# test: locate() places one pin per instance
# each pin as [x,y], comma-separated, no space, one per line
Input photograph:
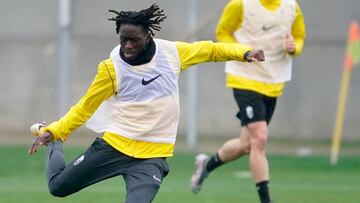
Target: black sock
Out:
[263,190]
[213,163]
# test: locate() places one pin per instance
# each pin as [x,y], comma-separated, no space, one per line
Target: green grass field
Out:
[294,180]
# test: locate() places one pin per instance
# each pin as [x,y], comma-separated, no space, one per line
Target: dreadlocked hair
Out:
[149,18]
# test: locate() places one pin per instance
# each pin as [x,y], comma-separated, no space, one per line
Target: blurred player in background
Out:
[134,102]
[277,27]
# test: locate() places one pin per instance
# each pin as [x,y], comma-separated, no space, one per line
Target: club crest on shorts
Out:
[79,160]
[250,112]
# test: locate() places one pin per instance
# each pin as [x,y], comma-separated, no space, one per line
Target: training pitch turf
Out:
[294,179]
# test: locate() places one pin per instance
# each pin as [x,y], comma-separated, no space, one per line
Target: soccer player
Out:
[277,26]
[134,102]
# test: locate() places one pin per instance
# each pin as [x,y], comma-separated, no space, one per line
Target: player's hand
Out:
[290,44]
[41,140]
[255,55]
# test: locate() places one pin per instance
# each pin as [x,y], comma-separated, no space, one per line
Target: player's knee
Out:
[245,149]
[57,193]
[259,140]
[58,190]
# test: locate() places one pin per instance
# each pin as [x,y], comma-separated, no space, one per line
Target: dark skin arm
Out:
[43,139]
[254,55]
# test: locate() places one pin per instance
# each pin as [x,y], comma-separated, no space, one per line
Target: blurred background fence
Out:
[29,63]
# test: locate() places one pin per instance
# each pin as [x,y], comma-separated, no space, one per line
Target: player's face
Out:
[133,39]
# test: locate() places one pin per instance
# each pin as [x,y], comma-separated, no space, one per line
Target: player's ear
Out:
[148,37]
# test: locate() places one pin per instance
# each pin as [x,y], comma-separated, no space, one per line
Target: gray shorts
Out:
[143,177]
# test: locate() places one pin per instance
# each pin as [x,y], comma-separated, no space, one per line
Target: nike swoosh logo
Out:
[265,28]
[156,178]
[146,82]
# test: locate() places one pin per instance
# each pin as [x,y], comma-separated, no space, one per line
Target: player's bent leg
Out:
[231,150]
[55,162]
[235,148]
[98,163]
